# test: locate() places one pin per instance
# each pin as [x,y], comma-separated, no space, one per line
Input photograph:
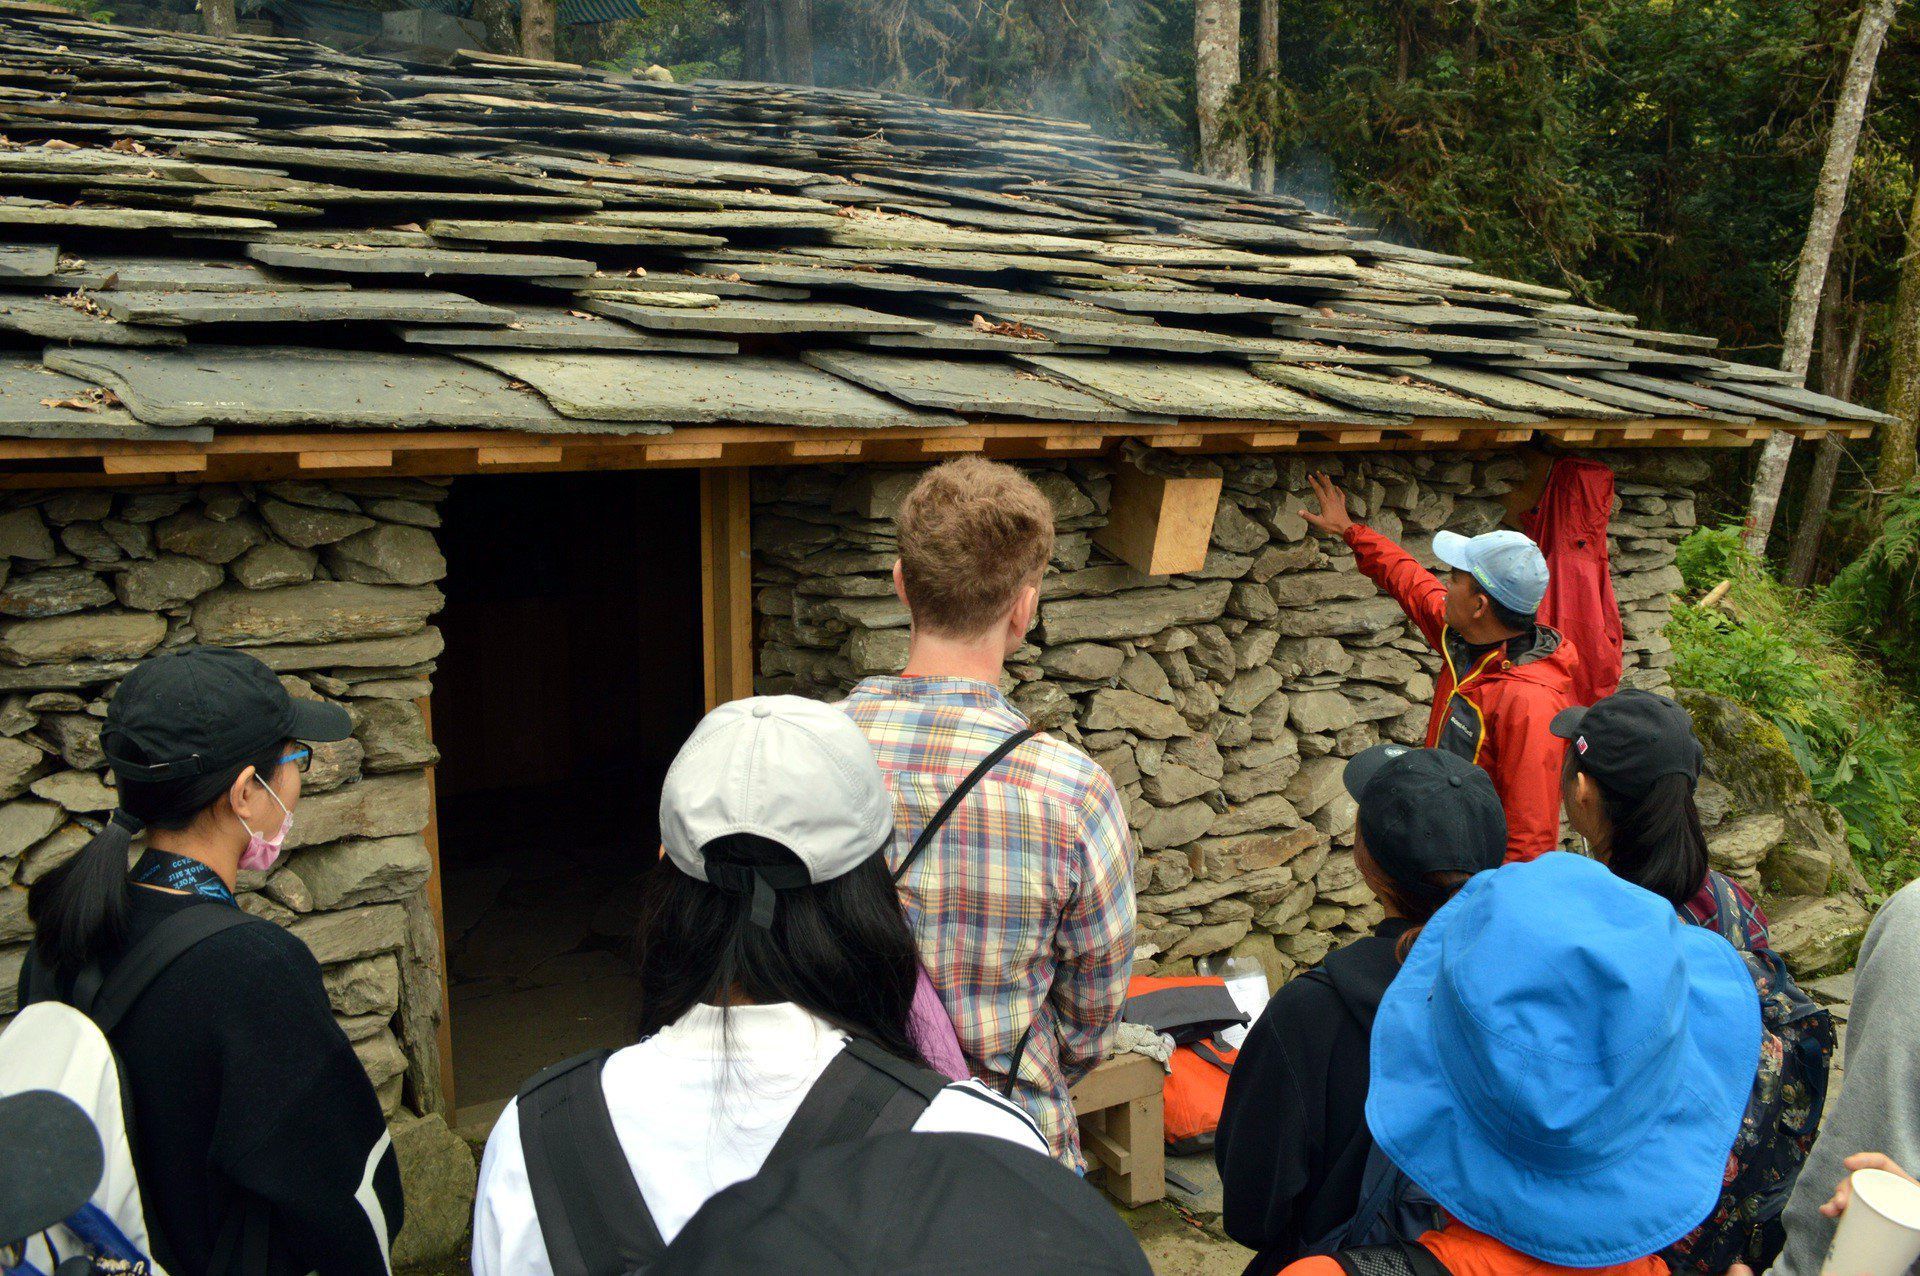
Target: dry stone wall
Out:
[333,586]
[1223,702]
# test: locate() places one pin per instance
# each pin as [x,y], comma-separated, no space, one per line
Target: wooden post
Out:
[443,1034]
[726,583]
[1159,524]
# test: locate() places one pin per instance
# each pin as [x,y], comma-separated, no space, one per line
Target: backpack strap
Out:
[1729,918]
[1204,1048]
[107,1000]
[592,1216]
[1406,1258]
[864,1091]
[974,777]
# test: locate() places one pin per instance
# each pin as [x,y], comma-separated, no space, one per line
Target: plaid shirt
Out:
[1023,905]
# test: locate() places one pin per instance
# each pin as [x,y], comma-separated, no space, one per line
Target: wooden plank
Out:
[950,445]
[521,454]
[153,463]
[1115,1081]
[726,583]
[344,459]
[1159,524]
[683,451]
[818,449]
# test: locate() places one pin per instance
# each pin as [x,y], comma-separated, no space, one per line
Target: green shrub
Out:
[1711,555]
[1878,594]
[1788,657]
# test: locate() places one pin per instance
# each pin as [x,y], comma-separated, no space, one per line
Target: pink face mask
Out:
[261,852]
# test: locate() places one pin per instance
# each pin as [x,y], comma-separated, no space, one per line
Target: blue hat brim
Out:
[1641,1202]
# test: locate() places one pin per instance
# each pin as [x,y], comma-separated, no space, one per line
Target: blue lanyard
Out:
[178,873]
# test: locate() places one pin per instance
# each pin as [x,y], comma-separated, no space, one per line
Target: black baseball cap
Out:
[1426,811]
[199,710]
[1631,739]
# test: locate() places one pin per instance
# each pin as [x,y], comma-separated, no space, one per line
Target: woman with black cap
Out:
[1632,766]
[258,1143]
[1293,1144]
[776,978]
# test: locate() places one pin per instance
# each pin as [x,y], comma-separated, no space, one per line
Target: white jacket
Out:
[697,1114]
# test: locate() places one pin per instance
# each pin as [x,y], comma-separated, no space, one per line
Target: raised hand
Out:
[1332,518]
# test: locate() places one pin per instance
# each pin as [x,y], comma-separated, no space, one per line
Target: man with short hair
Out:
[1022,904]
[1503,674]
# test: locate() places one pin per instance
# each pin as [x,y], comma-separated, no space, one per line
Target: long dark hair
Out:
[840,949]
[80,909]
[1658,842]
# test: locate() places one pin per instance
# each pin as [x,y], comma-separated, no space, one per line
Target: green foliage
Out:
[1878,594]
[1854,731]
[1712,555]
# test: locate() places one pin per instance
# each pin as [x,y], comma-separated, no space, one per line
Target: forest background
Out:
[1659,157]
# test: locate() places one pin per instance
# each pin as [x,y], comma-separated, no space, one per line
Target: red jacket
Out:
[1570,523]
[1495,713]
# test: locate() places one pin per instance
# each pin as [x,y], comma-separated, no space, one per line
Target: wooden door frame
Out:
[726,622]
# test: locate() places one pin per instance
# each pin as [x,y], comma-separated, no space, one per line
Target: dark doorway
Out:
[571,675]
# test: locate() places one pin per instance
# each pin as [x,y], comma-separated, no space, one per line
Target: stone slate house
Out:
[527,410]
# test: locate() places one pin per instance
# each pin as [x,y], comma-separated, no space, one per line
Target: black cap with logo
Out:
[1426,811]
[199,710]
[1631,739]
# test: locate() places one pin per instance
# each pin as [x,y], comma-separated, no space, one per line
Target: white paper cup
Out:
[1879,1235]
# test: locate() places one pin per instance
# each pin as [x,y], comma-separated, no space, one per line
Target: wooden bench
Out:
[1123,1127]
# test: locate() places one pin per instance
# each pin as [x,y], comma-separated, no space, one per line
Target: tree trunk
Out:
[538,21]
[1829,202]
[1266,64]
[1897,459]
[795,22]
[1216,73]
[1837,371]
[220,17]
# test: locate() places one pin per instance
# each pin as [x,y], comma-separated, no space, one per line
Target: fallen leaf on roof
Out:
[94,400]
[1008,329]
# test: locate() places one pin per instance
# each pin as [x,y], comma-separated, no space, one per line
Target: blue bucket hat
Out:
[1563,1064]
[1508,565]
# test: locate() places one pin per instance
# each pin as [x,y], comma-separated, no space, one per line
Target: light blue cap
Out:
[1508,565]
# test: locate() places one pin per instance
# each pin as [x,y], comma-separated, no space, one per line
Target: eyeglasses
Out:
[301,755]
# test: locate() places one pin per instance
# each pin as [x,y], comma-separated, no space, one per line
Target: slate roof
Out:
[237,235]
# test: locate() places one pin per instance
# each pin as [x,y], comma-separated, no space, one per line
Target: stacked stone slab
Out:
[333,586]
[1224,702]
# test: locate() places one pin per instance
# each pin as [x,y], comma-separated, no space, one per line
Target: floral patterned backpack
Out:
[1782,1117]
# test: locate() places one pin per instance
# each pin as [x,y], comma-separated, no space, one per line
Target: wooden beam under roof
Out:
[226,458]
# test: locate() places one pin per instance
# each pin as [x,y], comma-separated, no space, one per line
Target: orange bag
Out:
[1192,1009]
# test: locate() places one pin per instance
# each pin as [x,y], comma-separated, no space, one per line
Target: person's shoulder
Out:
[254,948]
[967,1107]
[1314,1265]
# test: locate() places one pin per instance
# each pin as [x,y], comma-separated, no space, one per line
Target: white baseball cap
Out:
[781,769]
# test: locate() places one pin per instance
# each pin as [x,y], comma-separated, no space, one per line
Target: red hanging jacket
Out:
[1570,525]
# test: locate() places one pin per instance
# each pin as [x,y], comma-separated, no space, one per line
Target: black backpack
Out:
[1391,1208]
[592,1215]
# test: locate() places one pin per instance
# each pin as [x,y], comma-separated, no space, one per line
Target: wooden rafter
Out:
[26,463]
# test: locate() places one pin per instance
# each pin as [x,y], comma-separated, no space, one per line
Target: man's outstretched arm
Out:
[1419,593]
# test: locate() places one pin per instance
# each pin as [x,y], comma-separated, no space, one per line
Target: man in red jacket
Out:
[1503,675]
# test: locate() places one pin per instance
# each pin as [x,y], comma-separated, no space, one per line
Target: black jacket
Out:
[1293,1139]
[243,1085]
